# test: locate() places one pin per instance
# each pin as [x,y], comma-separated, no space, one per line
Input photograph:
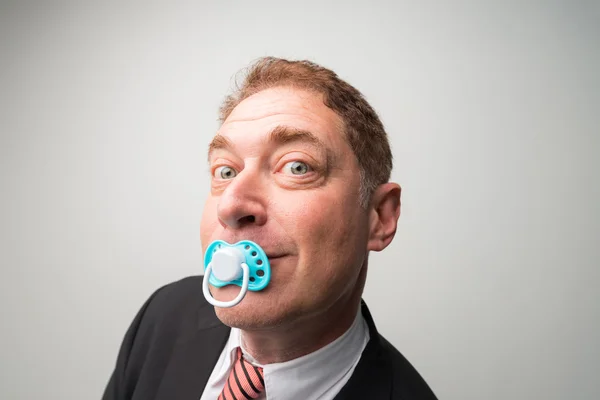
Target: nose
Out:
[242,203]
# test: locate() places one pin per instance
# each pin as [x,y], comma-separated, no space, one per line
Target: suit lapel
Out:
[372,376]
[193,360]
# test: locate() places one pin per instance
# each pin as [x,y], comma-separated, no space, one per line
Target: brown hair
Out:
[364,131]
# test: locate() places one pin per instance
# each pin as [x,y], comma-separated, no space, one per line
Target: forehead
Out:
[264,111]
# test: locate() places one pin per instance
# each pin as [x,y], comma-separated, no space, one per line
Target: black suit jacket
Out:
[174,342]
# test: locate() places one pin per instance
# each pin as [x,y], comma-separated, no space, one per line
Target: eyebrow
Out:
[280,135]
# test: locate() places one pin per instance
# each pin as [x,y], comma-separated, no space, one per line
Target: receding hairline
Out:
[296,88]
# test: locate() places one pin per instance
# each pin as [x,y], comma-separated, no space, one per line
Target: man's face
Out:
[284,177]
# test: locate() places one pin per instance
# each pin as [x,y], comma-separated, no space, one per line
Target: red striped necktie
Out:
[245,380]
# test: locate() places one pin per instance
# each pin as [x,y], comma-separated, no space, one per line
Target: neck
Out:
[307,335]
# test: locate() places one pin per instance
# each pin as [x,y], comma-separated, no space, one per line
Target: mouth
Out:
[273,251]
[279,258]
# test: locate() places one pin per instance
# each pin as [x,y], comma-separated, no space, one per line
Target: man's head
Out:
[300,166]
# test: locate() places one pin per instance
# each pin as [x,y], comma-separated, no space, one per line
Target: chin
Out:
[247,319]
[255,312]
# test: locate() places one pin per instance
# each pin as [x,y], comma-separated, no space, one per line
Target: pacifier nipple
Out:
[227,264]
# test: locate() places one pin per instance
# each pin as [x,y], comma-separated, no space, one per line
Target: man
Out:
[300,166]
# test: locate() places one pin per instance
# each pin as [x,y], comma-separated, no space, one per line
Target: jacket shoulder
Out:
[179,306]
[171,315]
[407,383]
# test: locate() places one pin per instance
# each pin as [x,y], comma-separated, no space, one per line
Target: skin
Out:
[284,176]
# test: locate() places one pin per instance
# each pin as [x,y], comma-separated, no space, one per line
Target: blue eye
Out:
[296,168]
[225,172]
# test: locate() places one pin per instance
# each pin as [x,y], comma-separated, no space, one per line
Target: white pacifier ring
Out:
[226,271]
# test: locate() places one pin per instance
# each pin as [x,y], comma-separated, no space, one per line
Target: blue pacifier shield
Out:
[256,259]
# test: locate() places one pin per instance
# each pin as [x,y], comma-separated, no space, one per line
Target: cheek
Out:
[326,228]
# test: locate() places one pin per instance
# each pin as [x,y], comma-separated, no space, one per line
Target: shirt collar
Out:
[316,372]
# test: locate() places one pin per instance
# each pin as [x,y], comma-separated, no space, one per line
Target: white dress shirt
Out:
[316,376]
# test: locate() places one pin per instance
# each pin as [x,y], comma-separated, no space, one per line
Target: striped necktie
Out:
[245,381]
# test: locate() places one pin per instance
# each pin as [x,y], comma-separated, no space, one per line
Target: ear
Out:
[384,211]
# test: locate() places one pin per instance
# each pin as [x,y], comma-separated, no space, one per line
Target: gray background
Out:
[491,287]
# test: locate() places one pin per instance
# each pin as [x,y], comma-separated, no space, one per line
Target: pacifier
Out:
[244,264]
